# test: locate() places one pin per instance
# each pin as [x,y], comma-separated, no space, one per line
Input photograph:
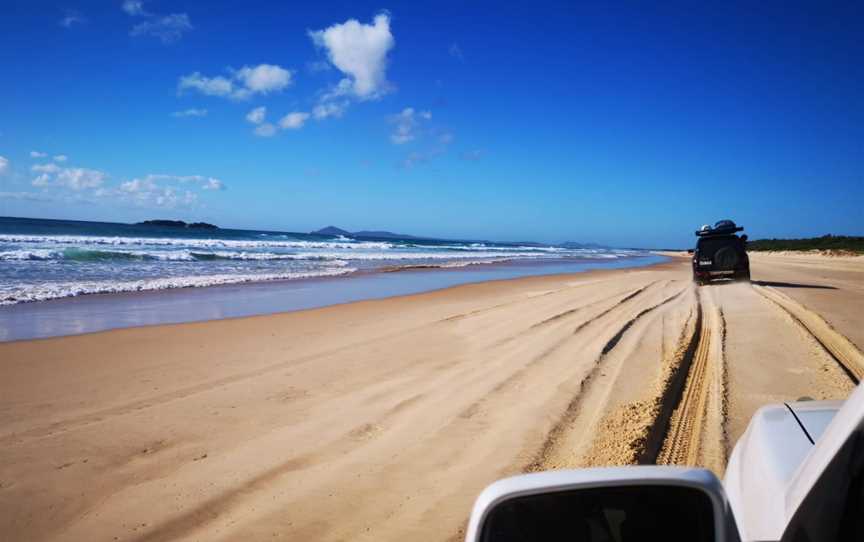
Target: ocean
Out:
[49,259]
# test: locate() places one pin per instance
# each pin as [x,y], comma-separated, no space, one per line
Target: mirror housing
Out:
[558,495]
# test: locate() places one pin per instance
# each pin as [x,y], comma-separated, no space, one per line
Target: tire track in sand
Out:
[556,438]
[841,349]
[698,414]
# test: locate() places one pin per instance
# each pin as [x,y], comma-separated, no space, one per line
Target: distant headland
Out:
[333,231]
[178,224]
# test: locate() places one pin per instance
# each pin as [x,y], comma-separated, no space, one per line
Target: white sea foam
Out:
[22,293]
[86,240]
[39,267]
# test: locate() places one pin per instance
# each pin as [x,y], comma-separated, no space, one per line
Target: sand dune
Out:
[382,420]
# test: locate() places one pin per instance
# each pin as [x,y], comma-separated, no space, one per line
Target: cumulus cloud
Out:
[77,184]
[406,124]
[263,78]
[213,184]
[211,86]
[60,158]
[190,113]
[45,168]
[242,83]
[257,115]
[329,109]
[146,192]
[294,120]
[73,178]
[72,18]
[160,190]
[4,165]
[265,130]
[360,52]
[37,154]
[167,29]
[135,8]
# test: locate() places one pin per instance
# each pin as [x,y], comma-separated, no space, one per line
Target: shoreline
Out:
[90,313]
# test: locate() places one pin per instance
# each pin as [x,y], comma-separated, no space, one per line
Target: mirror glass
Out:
[603,514]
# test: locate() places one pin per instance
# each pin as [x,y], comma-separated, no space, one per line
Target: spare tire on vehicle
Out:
[726,258]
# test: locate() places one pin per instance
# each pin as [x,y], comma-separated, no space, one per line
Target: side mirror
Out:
[744,238]
[620,504]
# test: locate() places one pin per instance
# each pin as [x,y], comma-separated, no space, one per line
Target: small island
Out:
[178,224]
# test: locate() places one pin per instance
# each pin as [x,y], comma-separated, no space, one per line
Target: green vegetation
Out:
[835,243]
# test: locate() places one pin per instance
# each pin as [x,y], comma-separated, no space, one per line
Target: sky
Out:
[629,124]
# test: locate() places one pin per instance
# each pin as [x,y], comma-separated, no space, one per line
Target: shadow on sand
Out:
[792,285]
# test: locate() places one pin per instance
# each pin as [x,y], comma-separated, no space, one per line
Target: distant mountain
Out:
[178,224]
[381,234]
[385,235]
[331,230]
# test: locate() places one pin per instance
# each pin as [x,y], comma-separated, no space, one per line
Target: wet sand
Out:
[383,419]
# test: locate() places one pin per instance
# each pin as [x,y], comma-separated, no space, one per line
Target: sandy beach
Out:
[383,419]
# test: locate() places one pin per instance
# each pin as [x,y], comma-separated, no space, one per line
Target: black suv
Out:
[720,254]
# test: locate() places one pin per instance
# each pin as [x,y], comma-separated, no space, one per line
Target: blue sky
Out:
[630,124]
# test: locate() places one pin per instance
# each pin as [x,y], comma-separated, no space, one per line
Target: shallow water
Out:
[50,259]
[99,312]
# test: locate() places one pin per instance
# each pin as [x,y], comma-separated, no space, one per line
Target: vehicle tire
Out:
[726,258]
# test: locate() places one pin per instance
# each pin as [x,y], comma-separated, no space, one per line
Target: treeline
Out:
[826,242]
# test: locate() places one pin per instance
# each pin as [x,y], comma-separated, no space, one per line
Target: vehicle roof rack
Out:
[721,227]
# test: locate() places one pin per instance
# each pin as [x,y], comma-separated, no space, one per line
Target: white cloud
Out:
[360,52]
[329,109]
[257,115]
[190,113]
[90,185]
[45,168]
[294,120]
[72,18]
[264,78]
[60,158]
[265,130]
[80,178]
[73,178]
[160,190]
[168,29]
[211,86]
[134,8]
[4,165]
[243,83]
[42,180]
[406,124]
[37,154]
[213,184]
